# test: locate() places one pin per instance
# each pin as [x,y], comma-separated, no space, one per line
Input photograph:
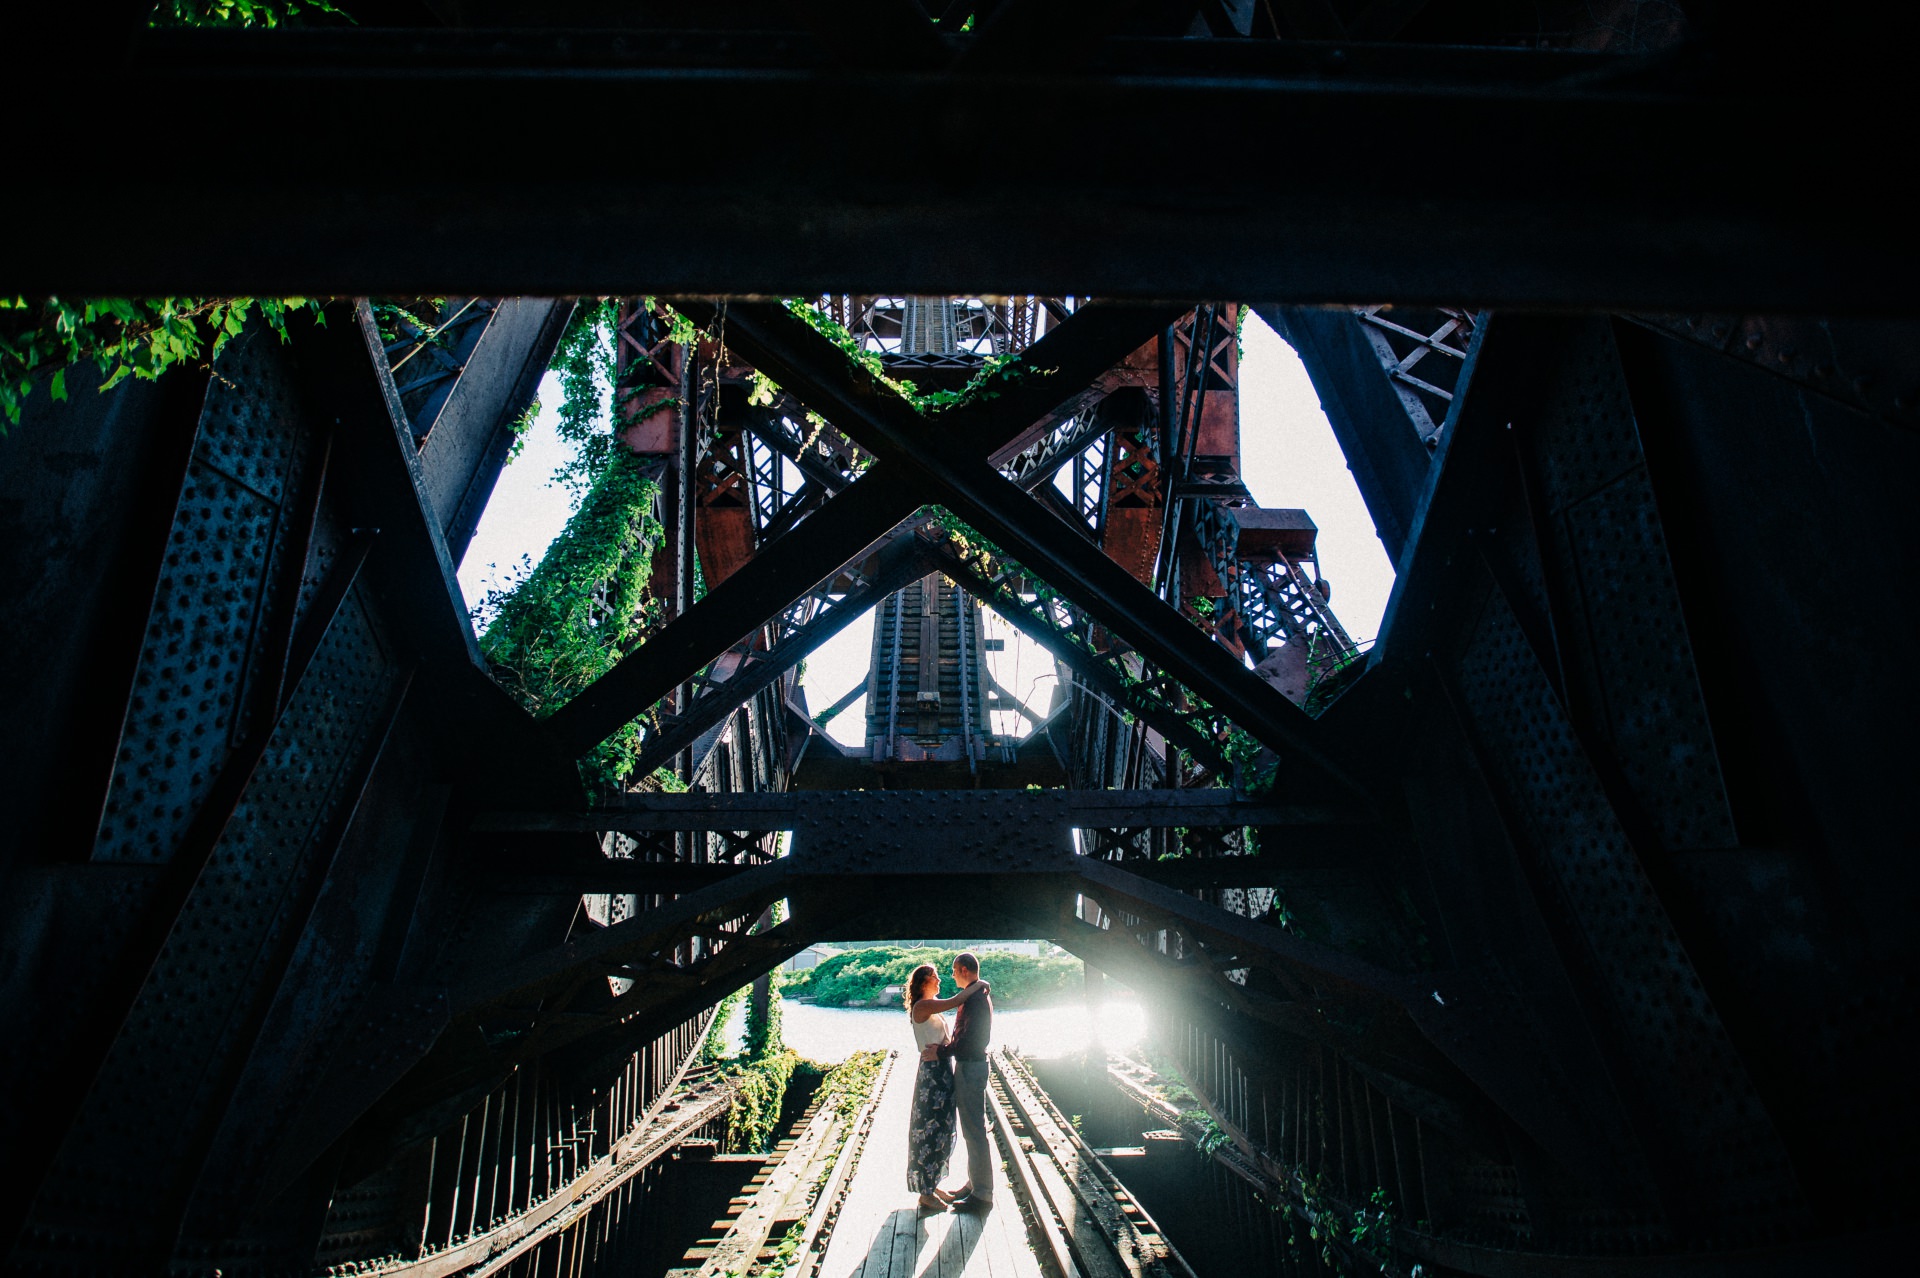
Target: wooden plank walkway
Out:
[880,1232]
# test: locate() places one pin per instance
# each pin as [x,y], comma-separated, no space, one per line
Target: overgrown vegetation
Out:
[570,620]
[586,365]
[843,1089]
[1335,679]
[242,13]
[860,978]
[121,337]
[762,1071]
[760,1090]
[1359,1241]
[763,1023]
[996,371]
[848,1084]
[713,1048]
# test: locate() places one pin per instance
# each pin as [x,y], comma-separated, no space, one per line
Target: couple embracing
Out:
[951,1084]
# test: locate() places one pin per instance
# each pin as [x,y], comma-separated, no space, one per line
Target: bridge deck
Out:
[880,1234]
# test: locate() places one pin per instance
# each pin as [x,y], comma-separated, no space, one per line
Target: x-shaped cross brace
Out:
[947,460]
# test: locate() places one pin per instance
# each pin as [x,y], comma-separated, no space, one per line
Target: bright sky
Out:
[1288,458]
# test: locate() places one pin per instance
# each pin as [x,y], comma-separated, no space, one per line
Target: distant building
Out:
[810,958]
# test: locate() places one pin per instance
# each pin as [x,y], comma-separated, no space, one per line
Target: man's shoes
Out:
[973,1204]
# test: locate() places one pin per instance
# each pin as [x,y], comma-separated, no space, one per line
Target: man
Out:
[973,1031]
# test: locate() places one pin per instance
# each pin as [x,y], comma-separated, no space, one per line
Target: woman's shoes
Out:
[945,1198]
[932,1202]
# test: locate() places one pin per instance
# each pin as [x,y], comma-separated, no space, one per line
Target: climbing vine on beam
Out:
[121,337]
[573,617]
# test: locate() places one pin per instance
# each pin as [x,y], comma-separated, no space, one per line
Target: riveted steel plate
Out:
[934,832]
[193,686]
[162,1078]
[1669,1032]
[1638,658]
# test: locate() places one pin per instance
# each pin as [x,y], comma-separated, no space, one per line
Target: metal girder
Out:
[1667,205]
[1120,891]
[1391,463]
[1018,399]
[715,699]
[1316,849]
[841,532]
[424,568]
[560,998]
[1057,626]
[530,980]
[945,471]
[1420,1036]
[665,996]
[1054,370]
[795,809]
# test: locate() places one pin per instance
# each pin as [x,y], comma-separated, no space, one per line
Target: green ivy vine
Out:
[122,337]
[240,13]
[570,620]
[760,1090]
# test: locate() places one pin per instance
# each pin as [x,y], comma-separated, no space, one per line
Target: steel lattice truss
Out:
[1578,926]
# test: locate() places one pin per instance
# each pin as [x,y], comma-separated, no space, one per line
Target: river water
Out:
[831,1034]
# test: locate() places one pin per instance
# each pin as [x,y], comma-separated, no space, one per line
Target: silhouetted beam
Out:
[838,533]
[1097,673]
[1337,849]
[876,33]
[1069,809]
[1390,465]
[900,563]
[662,997]
[945,470]
[1665,203]
[1054,369]
[559,971]
[1118,890]
[1049,373]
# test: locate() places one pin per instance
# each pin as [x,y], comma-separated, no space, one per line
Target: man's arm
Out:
[966,1025]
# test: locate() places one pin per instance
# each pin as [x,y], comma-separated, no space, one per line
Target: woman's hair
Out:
[922,976]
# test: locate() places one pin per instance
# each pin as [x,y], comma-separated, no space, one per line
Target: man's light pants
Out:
[970,1092]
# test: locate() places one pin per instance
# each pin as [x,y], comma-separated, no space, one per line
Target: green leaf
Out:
[58,387]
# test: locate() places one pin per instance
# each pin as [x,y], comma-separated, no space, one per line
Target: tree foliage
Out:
[760,1091]
[121,337]
[571,619]
[860,978]
[241,13]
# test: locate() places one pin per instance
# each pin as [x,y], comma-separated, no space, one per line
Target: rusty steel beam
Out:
[841,532]
[945,471]
[1052,371]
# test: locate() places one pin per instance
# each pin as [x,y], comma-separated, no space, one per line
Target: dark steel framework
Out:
[1578,925]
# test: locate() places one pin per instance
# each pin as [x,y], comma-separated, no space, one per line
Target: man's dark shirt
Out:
[972,1028]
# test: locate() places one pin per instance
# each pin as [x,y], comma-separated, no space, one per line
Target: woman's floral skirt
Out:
[930,1131]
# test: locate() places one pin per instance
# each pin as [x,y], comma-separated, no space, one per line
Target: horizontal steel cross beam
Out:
[1671,199]
[829,809]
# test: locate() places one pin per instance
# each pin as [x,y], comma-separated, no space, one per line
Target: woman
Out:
[930,1130]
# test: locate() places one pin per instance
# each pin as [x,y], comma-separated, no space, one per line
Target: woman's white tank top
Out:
[930,1031]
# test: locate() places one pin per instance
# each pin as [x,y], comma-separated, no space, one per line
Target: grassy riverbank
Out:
[860,978]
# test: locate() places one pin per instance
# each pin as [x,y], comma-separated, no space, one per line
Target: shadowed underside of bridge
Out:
[1575,915]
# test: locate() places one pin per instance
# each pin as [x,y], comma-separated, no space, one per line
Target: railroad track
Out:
[1086,1222]
[802,1186]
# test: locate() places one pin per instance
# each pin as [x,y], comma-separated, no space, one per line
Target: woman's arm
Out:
[928,1006]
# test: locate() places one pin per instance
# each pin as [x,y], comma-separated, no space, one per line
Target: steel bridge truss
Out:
[1574,936]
